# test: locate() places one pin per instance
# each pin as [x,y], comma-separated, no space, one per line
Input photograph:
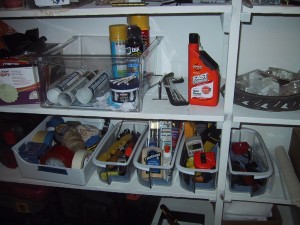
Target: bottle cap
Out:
[194,38]
[118,32]
[84,95]
[52,95]
[142,21]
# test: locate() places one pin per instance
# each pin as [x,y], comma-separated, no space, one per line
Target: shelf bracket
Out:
[225,21]
[246,17]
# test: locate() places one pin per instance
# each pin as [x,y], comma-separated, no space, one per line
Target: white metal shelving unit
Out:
[226,113]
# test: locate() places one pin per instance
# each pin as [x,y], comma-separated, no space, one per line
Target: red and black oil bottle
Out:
[203,75]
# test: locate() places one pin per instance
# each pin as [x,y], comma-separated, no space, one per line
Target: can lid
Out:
[84,95]
[52,95]
[141,21]
[118,32]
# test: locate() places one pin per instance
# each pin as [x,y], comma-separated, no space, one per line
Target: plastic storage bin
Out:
[155,175]
[114,155]
[92,54]
[192,179]
[30,168]
[250,166]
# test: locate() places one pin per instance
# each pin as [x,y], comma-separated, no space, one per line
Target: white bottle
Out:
[167,158]
[99,84]
[62,84]
[67,97]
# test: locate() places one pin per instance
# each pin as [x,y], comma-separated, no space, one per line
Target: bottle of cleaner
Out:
[203,75]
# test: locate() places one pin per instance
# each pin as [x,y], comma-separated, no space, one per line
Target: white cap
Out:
[65,99]
[52,95]
[84,95]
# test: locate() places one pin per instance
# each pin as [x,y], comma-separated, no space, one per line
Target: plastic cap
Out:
[84,95]
[141,21]
[118,32]
[194,38]
[52,95]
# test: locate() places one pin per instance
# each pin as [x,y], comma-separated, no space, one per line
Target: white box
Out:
[51,173]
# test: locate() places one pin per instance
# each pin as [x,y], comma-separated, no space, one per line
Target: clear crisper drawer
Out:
[250,166]
[193,179]
[158,172]
[85,63]
[114,156]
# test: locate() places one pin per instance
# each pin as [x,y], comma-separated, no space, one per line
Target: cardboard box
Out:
[275,219]
[294,152]
[18,85]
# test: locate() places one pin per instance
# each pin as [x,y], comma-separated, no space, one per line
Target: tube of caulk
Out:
[100,83]
[62,84]
[67,97]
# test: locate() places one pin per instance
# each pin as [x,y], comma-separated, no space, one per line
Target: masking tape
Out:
[39,136]
[80,159]
[58,156]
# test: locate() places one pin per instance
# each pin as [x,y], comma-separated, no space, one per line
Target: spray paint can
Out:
[134,48]
[118,37]
[142,21]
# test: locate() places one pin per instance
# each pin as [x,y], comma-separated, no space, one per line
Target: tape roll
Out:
[58,156]
[39,136]
[80,159]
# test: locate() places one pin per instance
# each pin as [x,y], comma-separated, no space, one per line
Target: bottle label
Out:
[68,81]
[153,158]
[133,64]
[119,67]
[203,90]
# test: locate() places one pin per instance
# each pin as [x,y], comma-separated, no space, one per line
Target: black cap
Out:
[194,38]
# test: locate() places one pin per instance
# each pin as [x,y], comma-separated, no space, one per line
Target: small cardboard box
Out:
[294,152]
[18,85]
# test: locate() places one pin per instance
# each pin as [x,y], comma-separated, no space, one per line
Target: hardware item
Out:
[68,97]
[95,87]
[194,144]
[63,84]
[204,160]
[159,92]
[174,95]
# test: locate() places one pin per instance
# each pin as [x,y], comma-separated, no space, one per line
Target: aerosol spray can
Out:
[142,21]
[118,37]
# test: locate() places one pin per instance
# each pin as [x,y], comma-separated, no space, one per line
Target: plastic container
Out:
[203,75]
[53,173]
[192,179]
[252,171]
[93,53]
[122,169]
[148,174]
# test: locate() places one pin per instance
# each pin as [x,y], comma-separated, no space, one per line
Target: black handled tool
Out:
[174,95]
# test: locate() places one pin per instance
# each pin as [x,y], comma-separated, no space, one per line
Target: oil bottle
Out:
[203,75]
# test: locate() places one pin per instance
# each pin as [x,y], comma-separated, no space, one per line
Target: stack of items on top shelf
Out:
[105,73]
[198,159]
[59,149]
